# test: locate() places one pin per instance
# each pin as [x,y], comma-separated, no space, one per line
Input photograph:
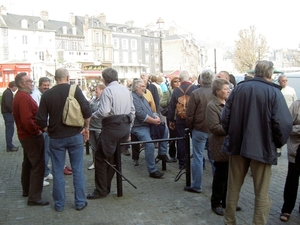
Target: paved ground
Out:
[161,201]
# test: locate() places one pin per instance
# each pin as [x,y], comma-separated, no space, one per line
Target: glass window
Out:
[40,25]
[41,56]
[147,45]
[24,39]
[24,24]
[116,43]
[133,44]
[116,57]
[125,57]
[124,43]
[40,40]
[74,30]
[65,30]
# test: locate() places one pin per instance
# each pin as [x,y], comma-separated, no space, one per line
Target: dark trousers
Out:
[172,144]
[135,148]
[219,186]
[180,128]
[9,129]
[291,185]
[33,167]
[115,129]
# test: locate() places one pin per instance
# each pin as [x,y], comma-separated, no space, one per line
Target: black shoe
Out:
[189,189]
[164,158]
[25,195]
[156,174]
[278,154]
[95,196]
[218,210]
[82,207]
[38,203]
[238,208]
[14,149]
[136,162]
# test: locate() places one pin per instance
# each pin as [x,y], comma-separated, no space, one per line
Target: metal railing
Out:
[186,169]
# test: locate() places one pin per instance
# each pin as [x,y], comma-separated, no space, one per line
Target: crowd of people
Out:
[241,126]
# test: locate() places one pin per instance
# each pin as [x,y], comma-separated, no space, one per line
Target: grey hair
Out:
[281,76]
[43,80]
[136,83]
[217,85]
[184,75]
[264,69]
[207,76]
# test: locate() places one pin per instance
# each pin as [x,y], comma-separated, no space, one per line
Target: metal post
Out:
[215,58]
[188,157]
[161,52]
[119,168]
[87,147]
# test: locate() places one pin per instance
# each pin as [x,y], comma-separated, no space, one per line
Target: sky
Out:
[210,21]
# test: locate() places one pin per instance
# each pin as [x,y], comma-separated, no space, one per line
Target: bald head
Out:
[223,75]
[61,75]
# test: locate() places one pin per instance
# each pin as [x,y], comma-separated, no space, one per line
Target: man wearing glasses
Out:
[31,138]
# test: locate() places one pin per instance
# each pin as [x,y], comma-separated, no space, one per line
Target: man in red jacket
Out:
[31,138]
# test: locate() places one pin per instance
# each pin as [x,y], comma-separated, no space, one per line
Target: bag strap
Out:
[181,90]
[184,92]
[187,89]
[72,90]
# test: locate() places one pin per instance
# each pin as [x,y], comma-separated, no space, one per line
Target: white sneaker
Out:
[91,167]
[46,183]
[49,177]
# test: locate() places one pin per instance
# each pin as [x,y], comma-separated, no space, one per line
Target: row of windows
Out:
[40,25]
[133,44]
[134,57]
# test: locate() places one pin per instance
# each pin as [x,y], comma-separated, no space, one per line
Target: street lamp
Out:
[160,24]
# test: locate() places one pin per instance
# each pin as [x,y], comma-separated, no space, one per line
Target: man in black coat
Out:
[257,120]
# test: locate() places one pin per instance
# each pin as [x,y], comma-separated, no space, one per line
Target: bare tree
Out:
[249,49]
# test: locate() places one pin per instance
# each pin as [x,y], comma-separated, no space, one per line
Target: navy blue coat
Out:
[257,120]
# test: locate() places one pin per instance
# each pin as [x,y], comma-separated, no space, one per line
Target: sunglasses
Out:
[176,81]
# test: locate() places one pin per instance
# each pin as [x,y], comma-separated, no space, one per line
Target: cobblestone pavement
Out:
[155,201]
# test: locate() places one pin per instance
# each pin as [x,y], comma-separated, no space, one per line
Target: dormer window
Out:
[124,29]
[114,28]
[64,30]
[24,23]
[133,31]
[40,25]
[74,30]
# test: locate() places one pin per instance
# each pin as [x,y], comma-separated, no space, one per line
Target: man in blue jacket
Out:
[257,121]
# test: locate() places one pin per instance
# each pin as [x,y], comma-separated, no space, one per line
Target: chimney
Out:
[102,18]
[3,10]
[172,30]
[44,15]
[72,19]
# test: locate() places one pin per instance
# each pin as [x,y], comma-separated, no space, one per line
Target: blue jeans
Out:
[47,153]
[198,141]
[9,129]
[58,147]
[143,134]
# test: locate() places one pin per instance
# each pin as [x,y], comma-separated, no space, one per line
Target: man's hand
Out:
[172,125]
[86,134]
